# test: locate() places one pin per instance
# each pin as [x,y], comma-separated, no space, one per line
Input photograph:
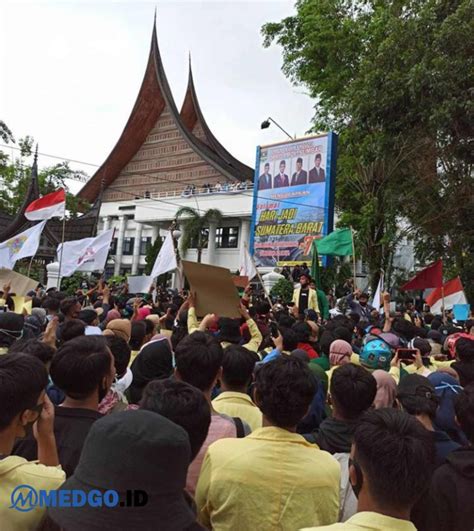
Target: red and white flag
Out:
[453,294]
[47,207]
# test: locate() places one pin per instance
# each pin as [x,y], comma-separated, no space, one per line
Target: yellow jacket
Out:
[238,405]
[271,479]
[312,299]
[255,335]
[368,520]
[15,471]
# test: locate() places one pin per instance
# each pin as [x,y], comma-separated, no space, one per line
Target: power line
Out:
[161,178]
[53,156]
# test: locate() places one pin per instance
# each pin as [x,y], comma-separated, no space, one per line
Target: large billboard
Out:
[293,199]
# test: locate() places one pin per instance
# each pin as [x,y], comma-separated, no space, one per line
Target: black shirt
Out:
[303,302]
[71,426]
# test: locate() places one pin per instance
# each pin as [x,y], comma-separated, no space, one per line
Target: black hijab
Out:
[154,362]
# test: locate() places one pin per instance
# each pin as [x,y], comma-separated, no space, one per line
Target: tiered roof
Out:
[153,102]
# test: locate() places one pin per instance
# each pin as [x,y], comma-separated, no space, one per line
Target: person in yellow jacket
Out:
[194,325]
[305,298]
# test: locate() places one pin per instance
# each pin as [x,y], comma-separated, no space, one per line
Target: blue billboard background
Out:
[293,199]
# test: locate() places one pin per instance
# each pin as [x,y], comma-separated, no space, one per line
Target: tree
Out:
[151,254]
[195,227]
[150,257]
[390,76]
[284,289]
[15,176]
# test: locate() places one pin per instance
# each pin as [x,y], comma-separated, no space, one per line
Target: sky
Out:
[70,72]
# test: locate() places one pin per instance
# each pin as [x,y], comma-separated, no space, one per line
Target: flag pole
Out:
[267,296]
[354,258]
[62,252]
[442,304]
[29,267]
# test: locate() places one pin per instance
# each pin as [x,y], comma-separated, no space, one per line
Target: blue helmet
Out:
[376,354]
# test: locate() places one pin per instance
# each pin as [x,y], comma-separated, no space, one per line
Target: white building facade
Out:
[138,223]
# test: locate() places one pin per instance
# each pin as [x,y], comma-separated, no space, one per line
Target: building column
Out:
[106,223]
[211,244]
[244,239]
[155,232]
[120,236]
[136,248]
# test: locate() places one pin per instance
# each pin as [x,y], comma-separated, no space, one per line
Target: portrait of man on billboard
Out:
[300,176]
[317,175]
[265,180]
[281,180]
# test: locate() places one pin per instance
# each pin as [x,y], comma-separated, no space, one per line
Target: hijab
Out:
[447,388]
[153,362]
[143,313]
[386,389]
[111,315]
[340,352]
[119,327]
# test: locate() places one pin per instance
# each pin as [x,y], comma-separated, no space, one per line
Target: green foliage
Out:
[71,284]
[5,134]
[117,279]
[15,176]
[335,276]
[195,227]
[151,254]
[284,289]
[394,79]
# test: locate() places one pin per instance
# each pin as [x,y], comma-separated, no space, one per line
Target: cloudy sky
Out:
[70,71]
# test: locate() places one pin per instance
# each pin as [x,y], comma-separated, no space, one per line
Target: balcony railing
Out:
[226,188]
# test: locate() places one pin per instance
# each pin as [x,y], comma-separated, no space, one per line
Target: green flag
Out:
[338,243]
[315,273]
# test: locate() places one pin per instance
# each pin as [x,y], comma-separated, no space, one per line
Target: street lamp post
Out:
[266,124]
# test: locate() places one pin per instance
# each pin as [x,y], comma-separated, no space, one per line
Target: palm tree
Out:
[194,227]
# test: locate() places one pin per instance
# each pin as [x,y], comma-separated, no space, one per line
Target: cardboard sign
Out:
[20,284]
[22,306]
[139,284]
[461,311]
[214,288]
[240,282]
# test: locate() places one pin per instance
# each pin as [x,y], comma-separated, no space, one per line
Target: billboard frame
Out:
[329,200]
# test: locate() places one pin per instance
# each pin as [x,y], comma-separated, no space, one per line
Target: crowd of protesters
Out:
[290,417]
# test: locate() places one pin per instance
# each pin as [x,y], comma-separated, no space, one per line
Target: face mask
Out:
[359,477]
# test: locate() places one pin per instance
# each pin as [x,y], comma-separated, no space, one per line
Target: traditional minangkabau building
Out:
[77,228]
[165,159]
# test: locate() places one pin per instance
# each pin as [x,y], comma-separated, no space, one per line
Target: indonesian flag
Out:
[47,207]
[430,277]
[453,294]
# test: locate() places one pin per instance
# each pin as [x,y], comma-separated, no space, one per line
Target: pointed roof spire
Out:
[35,160]
[34,186]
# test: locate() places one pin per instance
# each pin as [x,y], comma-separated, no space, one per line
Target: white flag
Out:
[166,259]
[20,246]
[247,266]
[88,254]
[378,294]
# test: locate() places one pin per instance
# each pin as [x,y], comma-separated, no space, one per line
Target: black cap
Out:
[415,385]
[137,450]
[88,316]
